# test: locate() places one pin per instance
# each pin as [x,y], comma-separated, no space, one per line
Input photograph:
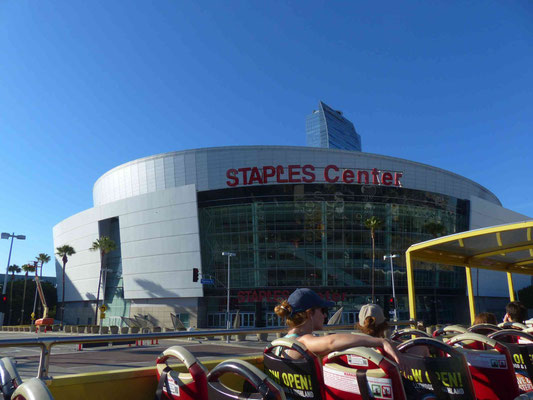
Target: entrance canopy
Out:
[507,248]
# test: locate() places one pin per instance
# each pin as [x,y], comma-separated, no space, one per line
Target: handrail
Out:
[46,343]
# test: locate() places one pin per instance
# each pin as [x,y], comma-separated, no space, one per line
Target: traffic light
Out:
[195,274]
[3,303]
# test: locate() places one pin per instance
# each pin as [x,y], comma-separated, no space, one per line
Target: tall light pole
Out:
[228,320]
[6,235]
[390,257]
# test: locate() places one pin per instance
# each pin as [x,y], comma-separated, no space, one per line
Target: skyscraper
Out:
[328,128]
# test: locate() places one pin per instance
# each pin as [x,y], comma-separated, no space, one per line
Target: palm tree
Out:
[373,223]
[13,269]
[104,245]
[64,252]
[26,268]
[42,258]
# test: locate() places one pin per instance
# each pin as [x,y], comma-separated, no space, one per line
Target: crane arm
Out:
[41,296]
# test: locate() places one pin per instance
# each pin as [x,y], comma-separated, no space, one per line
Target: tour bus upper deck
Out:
[507,248]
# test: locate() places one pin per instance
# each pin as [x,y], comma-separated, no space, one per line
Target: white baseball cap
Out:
[371,310]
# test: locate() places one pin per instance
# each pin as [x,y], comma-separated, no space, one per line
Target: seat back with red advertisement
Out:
[444,375]
[301,378]
[449,331]
[173,385]
[361,373]
[492,369]
[402,335]
[520,346]
[256,385]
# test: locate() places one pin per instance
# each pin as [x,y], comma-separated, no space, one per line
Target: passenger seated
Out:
[485,318]
[304,312]
[372,321]
[515,311]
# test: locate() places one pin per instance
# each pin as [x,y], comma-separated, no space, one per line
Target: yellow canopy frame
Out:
[507,248]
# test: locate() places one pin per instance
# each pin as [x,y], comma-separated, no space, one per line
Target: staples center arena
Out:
[292,216]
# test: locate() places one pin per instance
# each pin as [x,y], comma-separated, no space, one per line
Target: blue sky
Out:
[88,85]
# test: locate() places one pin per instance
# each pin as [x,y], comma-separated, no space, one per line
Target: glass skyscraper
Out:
[328,128]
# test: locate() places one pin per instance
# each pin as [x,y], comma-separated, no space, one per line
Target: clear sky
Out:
[88,85]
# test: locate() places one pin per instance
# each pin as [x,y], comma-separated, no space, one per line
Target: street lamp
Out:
[6,235]
[390,257]
[228,321]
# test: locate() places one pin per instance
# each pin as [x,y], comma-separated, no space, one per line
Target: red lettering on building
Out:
[296,173]
[244,175]
[268,172]
[279,173]
[327,177]
[386,178]
[309,174]
[348,176]
[375,176]
[397,176]
[362,174]
[255,176]
[233,180]
[258,296]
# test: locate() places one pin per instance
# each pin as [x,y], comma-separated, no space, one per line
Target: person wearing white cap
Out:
[304,312]
[372,320]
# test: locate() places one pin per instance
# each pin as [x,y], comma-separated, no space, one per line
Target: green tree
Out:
[13,269]
[103,245]
[42,258]
[373,223]
[64,252]
[27,268]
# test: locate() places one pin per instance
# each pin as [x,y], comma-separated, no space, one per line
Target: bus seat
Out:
[9,377]
[520,346]
[513,325]
[449,331]
[32,389]
[173,385]
[405,334]
[300,377]
[258,386]
[361,373]
[484,329]
[444,376]
[491,368]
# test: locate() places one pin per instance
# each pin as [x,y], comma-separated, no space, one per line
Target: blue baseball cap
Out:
[303,299]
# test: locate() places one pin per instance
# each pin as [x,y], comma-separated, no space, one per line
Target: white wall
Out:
[493,283]
[160,245]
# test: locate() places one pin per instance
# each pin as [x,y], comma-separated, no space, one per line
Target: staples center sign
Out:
[309,174]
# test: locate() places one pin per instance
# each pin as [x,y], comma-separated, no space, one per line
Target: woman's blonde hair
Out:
[369,327]
[284,310]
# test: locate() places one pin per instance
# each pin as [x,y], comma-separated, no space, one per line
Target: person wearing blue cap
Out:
[305,311]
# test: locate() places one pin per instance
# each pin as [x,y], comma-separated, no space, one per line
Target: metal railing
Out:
[46,343]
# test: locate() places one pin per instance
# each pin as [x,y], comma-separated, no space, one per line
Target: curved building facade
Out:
[293,216]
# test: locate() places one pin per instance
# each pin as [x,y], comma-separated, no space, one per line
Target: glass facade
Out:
[328,128]
[314,235]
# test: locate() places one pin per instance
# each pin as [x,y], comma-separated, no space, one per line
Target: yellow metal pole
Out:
[470,289]
[410,287]
[511,286]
